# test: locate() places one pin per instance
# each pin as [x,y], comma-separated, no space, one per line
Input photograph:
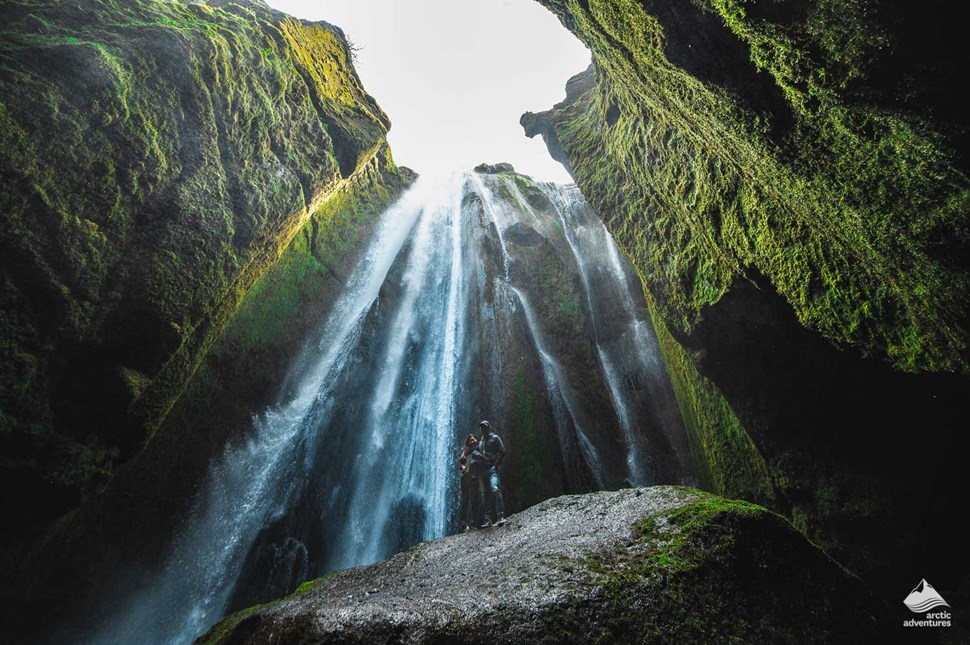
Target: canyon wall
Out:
[157,157]
[789,181]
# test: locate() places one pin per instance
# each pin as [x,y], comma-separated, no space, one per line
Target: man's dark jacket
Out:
[492,447]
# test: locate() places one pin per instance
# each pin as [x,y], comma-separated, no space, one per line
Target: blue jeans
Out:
[488,486]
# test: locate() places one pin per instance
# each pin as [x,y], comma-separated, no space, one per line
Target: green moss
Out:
[272,319]
[680,570]
[728,461]
[694,516]
[533,461]
[676,542]
[158,158]
[224,628]
[309,585]
[241,370]
[844,221]
[807,177]
[268,319]
[554,280]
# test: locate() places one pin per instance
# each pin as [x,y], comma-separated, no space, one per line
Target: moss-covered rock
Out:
[656,565]
[567,327]
[494,169]
[132,523]
[157,157]
[789,179]
[855,213]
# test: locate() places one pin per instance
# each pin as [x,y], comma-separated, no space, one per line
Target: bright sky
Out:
[456,75]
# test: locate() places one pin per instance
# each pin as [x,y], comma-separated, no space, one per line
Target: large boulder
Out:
[660,564]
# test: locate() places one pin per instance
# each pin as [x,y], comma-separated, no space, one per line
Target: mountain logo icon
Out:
[924,598]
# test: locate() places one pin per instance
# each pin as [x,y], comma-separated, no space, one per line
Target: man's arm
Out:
[501,451]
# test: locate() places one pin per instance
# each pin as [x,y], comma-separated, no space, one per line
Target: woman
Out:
[469,463]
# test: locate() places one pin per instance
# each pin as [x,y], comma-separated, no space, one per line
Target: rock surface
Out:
[229,229]
[133,521]
[655,565]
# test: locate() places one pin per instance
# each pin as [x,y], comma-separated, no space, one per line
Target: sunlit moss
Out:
[840,220]
[781,164]
[158,157]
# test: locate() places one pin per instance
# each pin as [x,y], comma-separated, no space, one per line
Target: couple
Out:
[480,459]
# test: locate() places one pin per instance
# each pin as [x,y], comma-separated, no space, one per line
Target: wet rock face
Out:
[272,570]
[578,394]
[523,235]
[133,522]
[651,565]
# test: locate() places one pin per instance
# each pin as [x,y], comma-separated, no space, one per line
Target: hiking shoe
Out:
[485,524]
[501,522]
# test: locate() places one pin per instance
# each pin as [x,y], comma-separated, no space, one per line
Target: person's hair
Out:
[470,438]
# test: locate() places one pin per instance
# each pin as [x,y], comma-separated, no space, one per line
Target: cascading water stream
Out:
[252,483]
[560,393]
[588,238]
[356,461]
[413,410]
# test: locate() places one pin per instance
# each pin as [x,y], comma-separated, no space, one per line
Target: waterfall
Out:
[607,277]
[356,460]
[412,412]
[561,396]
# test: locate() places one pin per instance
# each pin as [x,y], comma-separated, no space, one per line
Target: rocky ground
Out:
[661,564]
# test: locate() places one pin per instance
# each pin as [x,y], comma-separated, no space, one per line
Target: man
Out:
[493,450]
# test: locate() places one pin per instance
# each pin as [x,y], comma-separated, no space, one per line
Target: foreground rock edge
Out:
[640,565]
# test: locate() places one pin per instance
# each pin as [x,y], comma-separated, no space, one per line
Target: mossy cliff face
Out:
[128,528]
[752,174]
[156,157]
[789,180]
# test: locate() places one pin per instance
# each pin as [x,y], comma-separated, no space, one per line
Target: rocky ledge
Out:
[661,564]
[494,169]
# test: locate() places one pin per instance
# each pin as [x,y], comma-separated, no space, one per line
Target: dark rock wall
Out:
[156,158]
[580,324]
[792,194]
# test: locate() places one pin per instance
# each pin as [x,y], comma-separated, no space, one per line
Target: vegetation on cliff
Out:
[240,374]
[789,180]
[853,210]
[157,157]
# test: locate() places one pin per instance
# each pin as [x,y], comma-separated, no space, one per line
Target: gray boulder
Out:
[655,565]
